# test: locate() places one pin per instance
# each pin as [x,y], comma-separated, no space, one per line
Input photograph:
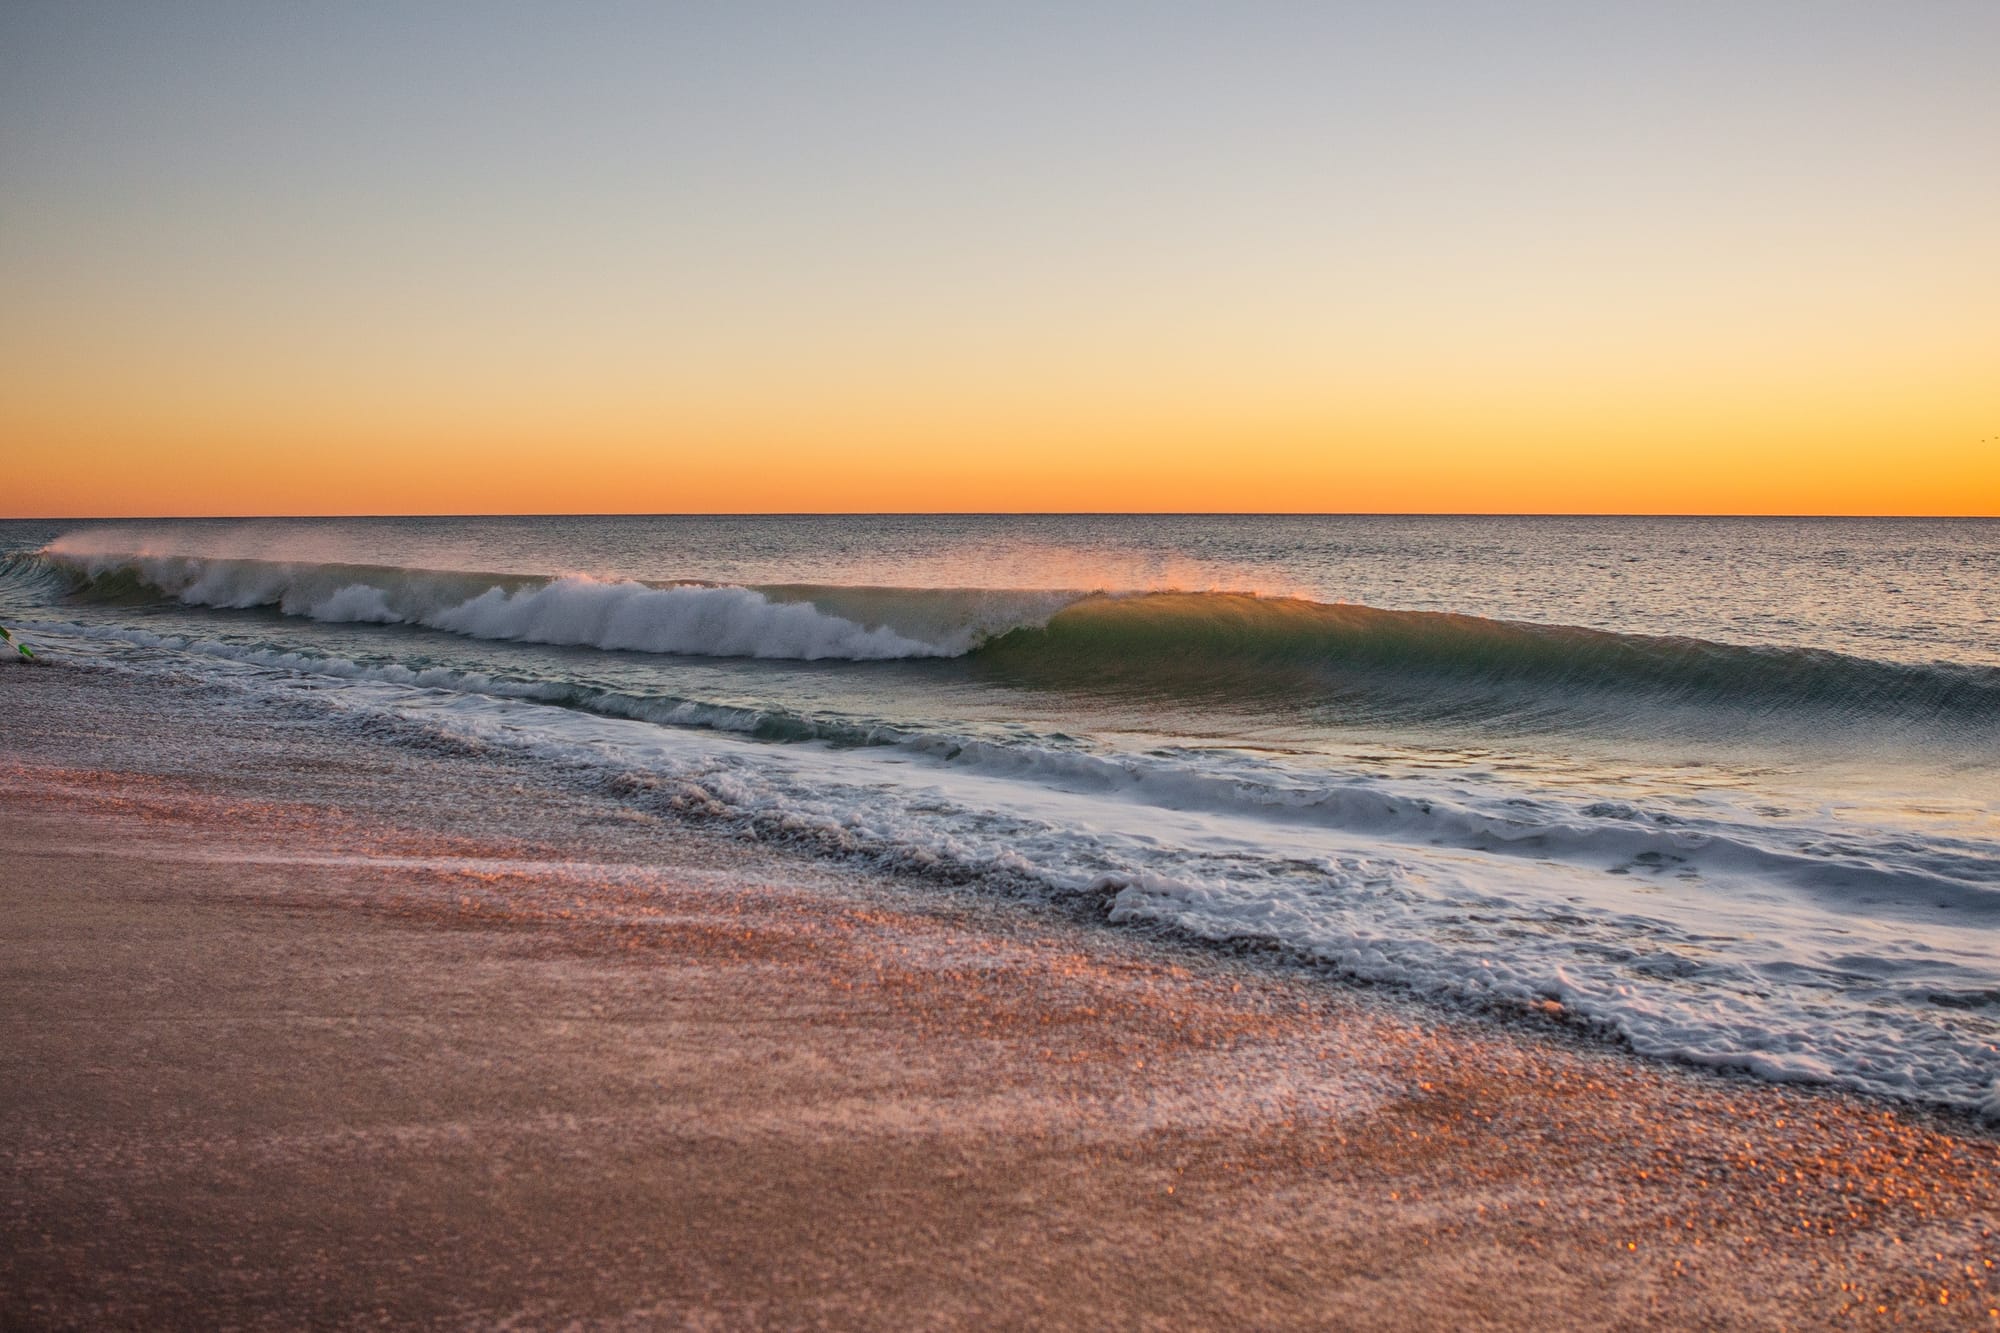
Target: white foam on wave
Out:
[693,619]
[356,602]
[575,610]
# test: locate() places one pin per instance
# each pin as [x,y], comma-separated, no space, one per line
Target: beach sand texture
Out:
[308,1026]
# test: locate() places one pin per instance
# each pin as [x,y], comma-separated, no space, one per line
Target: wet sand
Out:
[303,1025]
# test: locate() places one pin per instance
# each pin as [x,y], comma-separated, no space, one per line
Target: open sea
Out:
[1725,791]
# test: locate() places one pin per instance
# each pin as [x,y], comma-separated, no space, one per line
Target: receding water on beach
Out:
[1726,790]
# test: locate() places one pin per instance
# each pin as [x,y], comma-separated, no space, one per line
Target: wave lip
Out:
[1210,644]
[686,618]
[1200,647]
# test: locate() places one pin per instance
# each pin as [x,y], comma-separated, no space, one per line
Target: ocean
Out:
[1725,791]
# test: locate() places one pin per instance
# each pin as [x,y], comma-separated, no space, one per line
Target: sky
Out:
[1456,257]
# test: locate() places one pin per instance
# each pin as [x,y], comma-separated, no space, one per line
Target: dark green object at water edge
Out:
[19,647]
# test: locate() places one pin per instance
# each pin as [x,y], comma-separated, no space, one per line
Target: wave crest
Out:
[1240,649]
[691,619]
[688,618]
[1208,644]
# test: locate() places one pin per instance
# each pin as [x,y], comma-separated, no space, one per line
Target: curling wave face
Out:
[1236,648]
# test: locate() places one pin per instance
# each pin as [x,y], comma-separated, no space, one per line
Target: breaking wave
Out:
[1192,645]
[686,618]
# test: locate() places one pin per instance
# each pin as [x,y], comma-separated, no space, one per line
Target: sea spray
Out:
[1238,648]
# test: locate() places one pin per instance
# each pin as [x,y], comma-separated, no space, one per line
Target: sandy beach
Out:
[309,1026]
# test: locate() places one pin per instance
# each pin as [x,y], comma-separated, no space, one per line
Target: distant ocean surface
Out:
[1724,790]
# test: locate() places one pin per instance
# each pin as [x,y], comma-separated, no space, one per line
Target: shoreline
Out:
[305,1027]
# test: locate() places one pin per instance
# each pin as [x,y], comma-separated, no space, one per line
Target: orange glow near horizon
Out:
[1619,450]
[1811,474]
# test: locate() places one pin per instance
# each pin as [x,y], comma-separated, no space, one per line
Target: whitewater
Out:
[1722,791]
